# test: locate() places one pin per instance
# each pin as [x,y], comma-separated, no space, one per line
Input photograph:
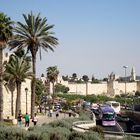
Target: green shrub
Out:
[93,136]
[84,115]
[6,123]
[60,130]
[98,129]
[56,136]
[61,123]
[54,127]
[84,136]
[12,133]
[34,136]
[130,138]
[76,136]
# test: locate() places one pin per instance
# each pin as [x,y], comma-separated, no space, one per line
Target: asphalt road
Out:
[110,128]
[121,125]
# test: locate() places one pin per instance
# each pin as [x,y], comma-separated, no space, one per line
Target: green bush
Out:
[54,136]
[84,115]
[130,138]
[60,130]
[33,136]
[76,136]
[61,123]
[84,136]
[98,129]
[11,133]
[6,123]
[93,136]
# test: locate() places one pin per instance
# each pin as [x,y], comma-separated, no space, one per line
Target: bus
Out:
[107,115]
[115,105]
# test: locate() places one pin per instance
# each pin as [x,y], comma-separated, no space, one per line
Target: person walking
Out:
[27,120]
[35,119]
[19,119]
[57,113]
[51,112]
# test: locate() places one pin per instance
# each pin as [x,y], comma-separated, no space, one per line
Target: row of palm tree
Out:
[33,36]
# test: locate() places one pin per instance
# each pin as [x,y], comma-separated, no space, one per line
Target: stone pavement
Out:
[46,119]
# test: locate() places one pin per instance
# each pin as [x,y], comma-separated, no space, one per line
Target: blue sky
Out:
[96,37]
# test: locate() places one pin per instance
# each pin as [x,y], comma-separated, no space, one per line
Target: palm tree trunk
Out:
[1,84]
[86,88]
[53,91]
[33,85]
[18,100]
[12,101]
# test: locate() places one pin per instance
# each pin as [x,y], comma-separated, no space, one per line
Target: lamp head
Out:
[125,67]
[26,89]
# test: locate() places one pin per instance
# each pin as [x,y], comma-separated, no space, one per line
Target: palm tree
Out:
[85,78]
[52,74]
[17,70]
[34,35]
[5,34]
[74,77]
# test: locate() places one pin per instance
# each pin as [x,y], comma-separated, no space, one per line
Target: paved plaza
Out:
[46,119]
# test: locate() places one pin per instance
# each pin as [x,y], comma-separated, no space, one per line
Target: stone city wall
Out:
[7,96]
[112,88]
[7,99]
[81,88]
[119,88]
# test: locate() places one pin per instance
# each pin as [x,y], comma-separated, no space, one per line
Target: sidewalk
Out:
[46,119]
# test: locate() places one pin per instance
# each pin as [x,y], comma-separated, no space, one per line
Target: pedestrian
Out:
[57,113]
[27,120]
[51,112]
[19,119]
[35,119]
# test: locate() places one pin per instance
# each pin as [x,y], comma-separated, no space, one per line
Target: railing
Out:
[83,126]
[83,122]
[77,123]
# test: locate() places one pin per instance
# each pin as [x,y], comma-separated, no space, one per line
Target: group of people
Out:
[50,113]
[27,119]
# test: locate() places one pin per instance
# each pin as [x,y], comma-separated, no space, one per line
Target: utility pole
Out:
[125,67]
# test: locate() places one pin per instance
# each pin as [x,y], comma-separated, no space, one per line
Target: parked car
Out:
[95,111]
[136,128]
[122,118]
[57,106]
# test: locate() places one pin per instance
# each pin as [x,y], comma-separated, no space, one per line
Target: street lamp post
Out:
[26,90]
[45,105]
[125,67]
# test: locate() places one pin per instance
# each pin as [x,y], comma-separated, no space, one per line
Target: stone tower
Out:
[133,74]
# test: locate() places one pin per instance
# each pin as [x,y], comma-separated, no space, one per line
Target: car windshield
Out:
[109,116]
[115,104]
[136,128]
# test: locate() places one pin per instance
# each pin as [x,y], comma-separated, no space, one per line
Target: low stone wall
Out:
[13,121]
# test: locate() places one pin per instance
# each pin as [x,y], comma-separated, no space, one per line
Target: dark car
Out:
[136,128]
[95,111]
[122,118]
[57,107]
